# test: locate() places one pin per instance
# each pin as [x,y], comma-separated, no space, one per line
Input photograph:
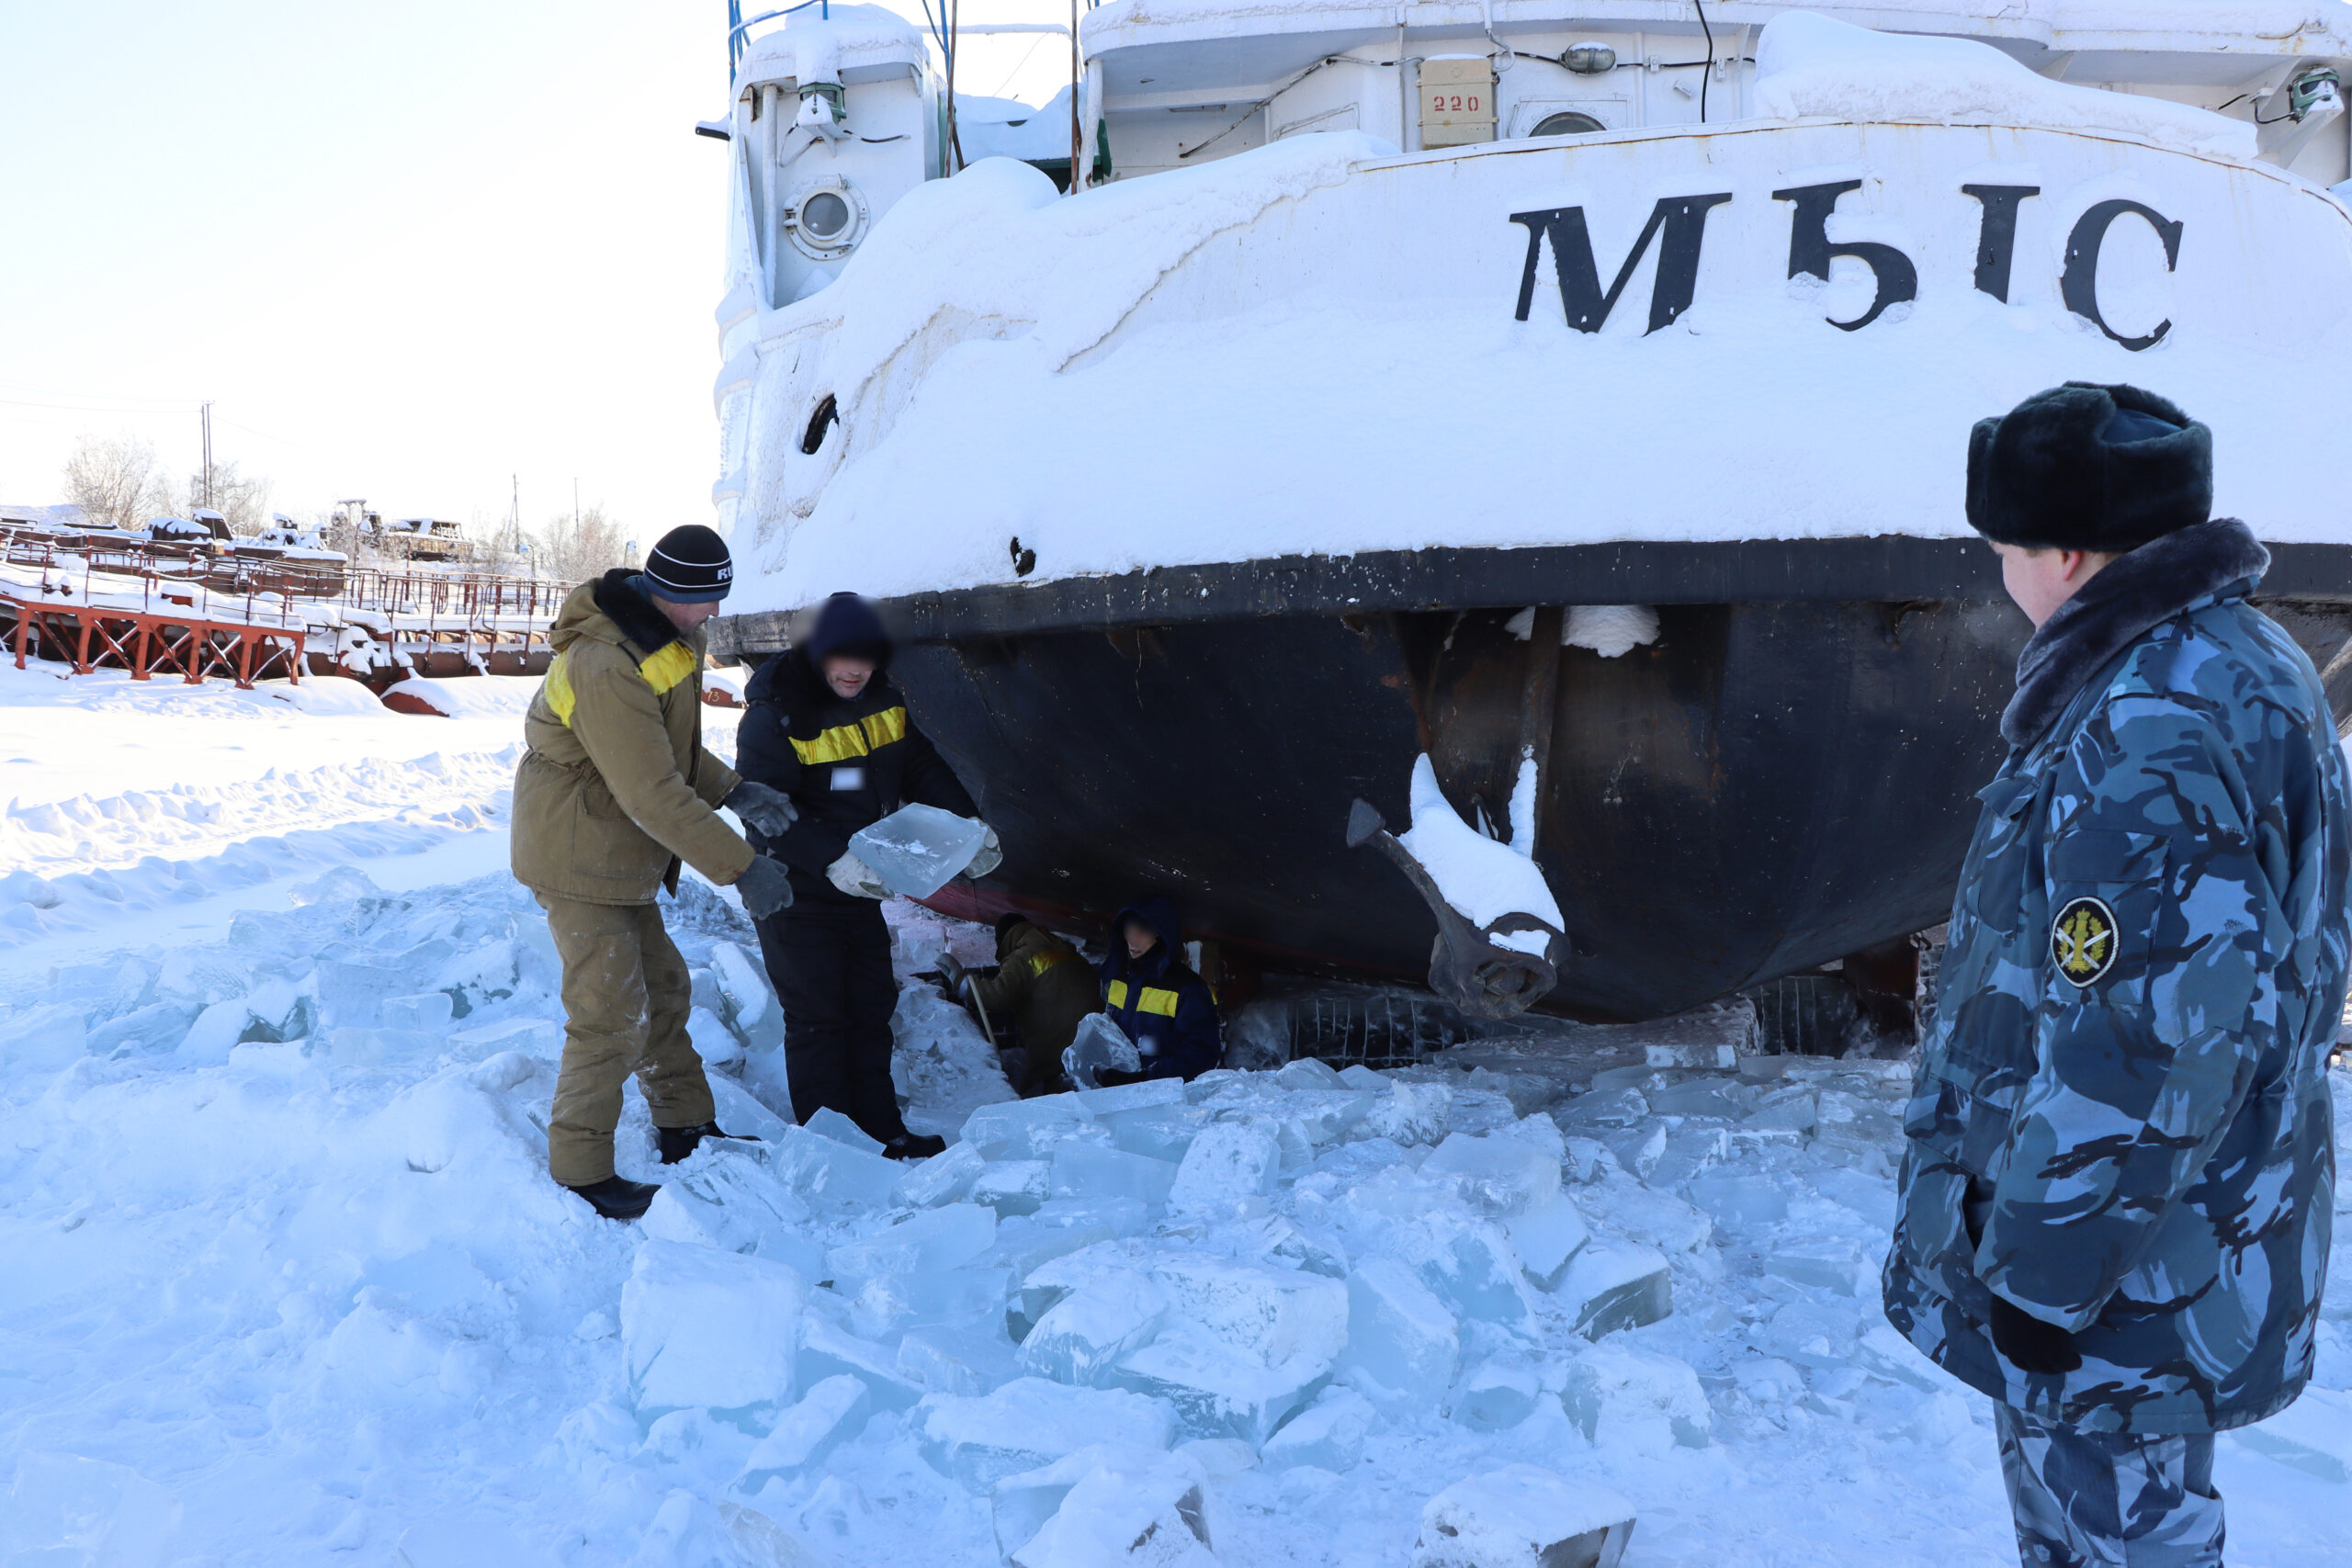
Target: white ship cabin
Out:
[840,110]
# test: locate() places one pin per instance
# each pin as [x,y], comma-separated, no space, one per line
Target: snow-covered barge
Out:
[1583,390]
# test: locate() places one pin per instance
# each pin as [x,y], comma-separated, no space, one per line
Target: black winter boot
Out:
[618,1198]
[914,1146]
[677,1143]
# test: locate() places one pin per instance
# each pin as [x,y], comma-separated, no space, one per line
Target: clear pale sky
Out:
[407,249]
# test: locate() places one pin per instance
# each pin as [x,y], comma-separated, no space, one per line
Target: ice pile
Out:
[288,1190]
[1095,1305]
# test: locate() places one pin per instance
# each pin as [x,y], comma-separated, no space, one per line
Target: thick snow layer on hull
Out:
[1316,349]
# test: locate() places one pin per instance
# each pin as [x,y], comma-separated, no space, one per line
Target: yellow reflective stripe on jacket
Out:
[1044,961]
[666,668]
[662,670]
[561,700]
[843,741]
[1117,993]
[1159,1001]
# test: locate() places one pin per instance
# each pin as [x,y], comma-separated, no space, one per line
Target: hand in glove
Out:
[856,879]
[952,971]
[764,887]
[769,810]
[987,857]
[2031,1345]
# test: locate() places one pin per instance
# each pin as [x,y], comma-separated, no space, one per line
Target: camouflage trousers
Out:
[2108,1499]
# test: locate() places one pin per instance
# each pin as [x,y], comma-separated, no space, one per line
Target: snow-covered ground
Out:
[287,1283]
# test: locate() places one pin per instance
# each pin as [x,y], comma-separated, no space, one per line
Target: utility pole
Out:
[204,415]
[1077,71]
[514,515]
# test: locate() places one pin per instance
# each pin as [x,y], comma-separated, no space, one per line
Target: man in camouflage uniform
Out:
[2116,1192]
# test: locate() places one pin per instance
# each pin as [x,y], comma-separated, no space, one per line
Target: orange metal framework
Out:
[146,644]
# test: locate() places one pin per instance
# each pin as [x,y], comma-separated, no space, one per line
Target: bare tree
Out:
[576,550]
[244,500]
[113,479]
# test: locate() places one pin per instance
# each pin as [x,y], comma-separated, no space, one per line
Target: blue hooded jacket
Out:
[1161,1005]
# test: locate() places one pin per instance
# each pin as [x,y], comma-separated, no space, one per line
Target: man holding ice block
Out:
[824,726]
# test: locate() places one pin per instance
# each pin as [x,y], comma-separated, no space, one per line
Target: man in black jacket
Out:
[824,726]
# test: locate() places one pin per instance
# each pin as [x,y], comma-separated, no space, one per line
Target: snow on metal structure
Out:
[1711,354]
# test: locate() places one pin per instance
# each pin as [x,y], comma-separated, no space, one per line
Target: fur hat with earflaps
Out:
[2085,466]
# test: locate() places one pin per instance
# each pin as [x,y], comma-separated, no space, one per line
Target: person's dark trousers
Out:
[829,962]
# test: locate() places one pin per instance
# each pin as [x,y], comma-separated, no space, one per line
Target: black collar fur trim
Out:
[633,612]
[2138,590]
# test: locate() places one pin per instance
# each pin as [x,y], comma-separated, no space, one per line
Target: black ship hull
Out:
[1784,776]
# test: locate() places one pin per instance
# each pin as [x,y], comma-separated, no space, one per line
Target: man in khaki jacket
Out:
[615,789]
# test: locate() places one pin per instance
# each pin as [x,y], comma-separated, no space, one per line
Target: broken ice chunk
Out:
[1546,1238]
[1613,1286]
[428,1011]
[1271,1315]
[917,850]
[1307,1073]
[702,1328]
[1139,1096]
[942,1178]
[1838,1264]
[1158,1132]
[1100,1045]
[1013,1186]
[1097,1171]
[727,1199]
[1739,1203]
[1402,1341]
[1104,1507]
[1497,1175]
[1030,1422]
[1357,1075]
[1230,1170]
[1082,1335]
[929,1240]
[1522,1517]
[750,1004]
[1603,1108]
[832,1175]
[828,1350]
[1329,1434]
[1497,1395]
[1216,1390]
[1029,1129]
[957,1360]
[828,1122]
[1639,1149]
[955,1298]
[1412,1113]
[826,1416]
[1636,1400]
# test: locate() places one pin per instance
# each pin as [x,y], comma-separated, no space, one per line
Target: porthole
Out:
[824,418]
[826,220]
[1568,122]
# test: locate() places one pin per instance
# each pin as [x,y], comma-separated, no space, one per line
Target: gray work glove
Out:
[856,879]
[987,857]
[951,969]
[769,810]
[764,886]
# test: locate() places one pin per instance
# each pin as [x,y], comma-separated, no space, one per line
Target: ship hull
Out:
[1772,784]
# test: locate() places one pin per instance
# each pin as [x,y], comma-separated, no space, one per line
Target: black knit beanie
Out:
[690,566]
[2085,466]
